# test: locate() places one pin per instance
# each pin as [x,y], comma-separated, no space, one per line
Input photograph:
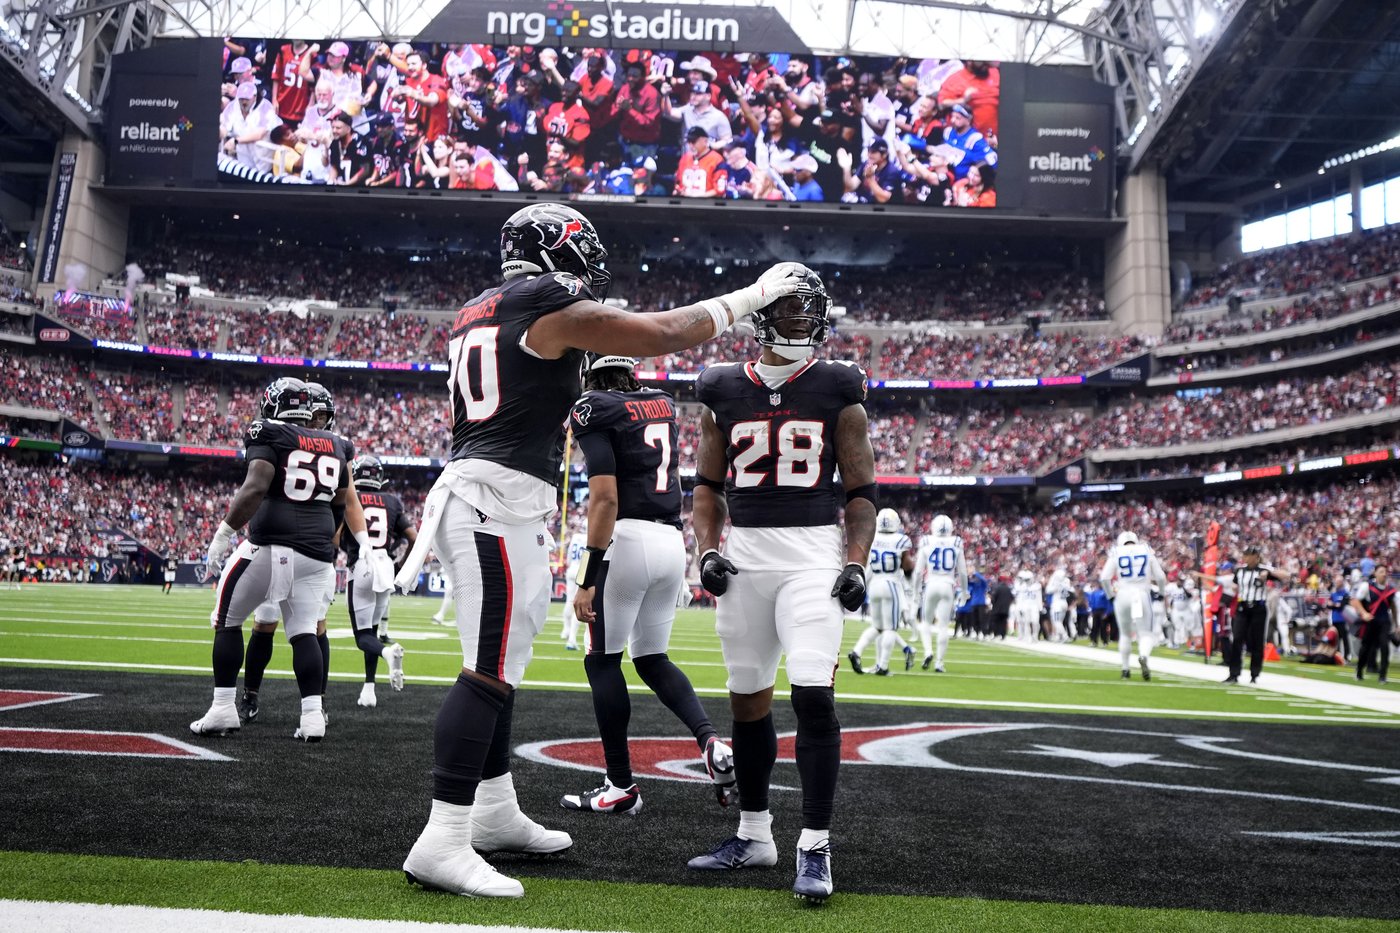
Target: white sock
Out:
[1125,648]
[926,636]
[223,696]
[812,837]
[367,689]
[756,826]
[311,704]
[1145,644]
[883,646]
[942,642]
[863,642]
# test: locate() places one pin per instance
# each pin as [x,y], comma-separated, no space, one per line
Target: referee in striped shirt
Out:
[1249,581]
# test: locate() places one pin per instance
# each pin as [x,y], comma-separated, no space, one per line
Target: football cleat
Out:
[312,728]
[571,647]
[367,698]
[1127,675]
[1146,674]
[855,662]
[220,720]
[938,669]
[248,709]
[1232,679]
[436,865]
[495,831]
[394,655]
[928,661]
[606,799]
[719,763]
[734,853]
[813,883]
[908,658]
[882,672]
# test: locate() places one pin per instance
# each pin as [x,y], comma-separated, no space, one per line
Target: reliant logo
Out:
[152,132]
[1058,162]
[568,20]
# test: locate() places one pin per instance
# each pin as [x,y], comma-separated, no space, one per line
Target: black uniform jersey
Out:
[311,468]
[347,450]
[633,436]
[509,406]
[781,443]
[385,522]
[172,565]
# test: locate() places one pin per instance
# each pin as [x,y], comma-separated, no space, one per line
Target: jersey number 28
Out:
[799,444]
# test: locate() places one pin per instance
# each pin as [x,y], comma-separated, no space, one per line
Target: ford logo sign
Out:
[77,439]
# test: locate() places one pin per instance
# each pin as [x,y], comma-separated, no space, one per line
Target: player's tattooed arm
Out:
[250,495]
[593,326]
[856,459]
[711,508]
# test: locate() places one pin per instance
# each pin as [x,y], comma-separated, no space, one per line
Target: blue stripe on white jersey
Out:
[887,552]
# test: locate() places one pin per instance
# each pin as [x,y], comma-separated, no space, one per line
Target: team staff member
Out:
[1374,603]
[515,354]
[632,573]
[1250,584]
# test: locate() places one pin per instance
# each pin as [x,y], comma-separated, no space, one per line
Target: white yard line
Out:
[51,917]
[1381,701]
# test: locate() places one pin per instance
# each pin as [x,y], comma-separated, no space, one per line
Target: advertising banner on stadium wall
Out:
[1124,372]
[156,123]
[49,332]
[1068,157]
[77,437]
[610,26]
[53,230]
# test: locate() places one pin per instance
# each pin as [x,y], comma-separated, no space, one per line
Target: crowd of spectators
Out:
[1322,306]
[1355,336]
[49,383]
[203,423]
[21,325]
[1302,268]
[1267,455]
[970,355]
[136,406]
[96,318]
[277,333]
[380,337]
[187,326]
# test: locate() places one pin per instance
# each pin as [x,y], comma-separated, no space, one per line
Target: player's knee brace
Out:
[816,715]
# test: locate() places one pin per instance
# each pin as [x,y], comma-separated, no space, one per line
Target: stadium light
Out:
[1206,22]
[1376,149]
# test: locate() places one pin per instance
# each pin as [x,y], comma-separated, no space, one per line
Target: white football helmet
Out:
[942,525]
[887,521]
[1125,538]
[1025,576]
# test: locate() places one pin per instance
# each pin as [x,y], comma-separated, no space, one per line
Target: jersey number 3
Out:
[799,444]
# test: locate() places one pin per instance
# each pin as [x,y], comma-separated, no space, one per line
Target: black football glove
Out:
[849,588]
[715,572]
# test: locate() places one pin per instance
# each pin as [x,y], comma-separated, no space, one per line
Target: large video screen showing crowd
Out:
[611,123]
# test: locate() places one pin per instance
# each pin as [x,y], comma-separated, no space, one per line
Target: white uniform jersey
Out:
[1027,591]
[1058,587]
[1175,596]
[1132,566]
[887,553]
[941,558]
[578,542]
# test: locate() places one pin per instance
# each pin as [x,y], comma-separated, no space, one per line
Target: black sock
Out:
[324,642]
[818,753]
[259,656]
[755,752]
[462,736]
[373,648]
[371,667]
[306,662]
[673,689]
[228,656]
[497,760]
[613,709]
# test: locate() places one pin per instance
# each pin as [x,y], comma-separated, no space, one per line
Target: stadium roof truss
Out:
[1148,49]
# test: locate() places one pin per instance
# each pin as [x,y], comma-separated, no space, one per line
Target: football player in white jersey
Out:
[943,573]
[891,563]
[578,544]
[1128,575]
[1177,607]
[1058,589]
[1026,602]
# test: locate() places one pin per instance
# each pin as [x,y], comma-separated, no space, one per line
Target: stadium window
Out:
[1299,225]
[1342,208]
[1392,200]
[1263,234]
[1373,206]
[1321,220]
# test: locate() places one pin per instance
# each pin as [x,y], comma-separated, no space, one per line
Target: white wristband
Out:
[719,315]
[362,539]
[225,532]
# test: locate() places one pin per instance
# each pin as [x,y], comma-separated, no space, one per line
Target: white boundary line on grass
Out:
[55,917]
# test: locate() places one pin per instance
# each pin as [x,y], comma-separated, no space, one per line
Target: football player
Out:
[943,571]
[295,474]
[515,354]
[1128,574]
[1059,589]
[171,565]
[779,428]
[1026,604]
[265,617]
[439,616]
[631,574]
[891,561]
[1178,621]
[578,544]
[372,573]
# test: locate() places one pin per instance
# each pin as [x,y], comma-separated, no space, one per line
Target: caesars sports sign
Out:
[674,26]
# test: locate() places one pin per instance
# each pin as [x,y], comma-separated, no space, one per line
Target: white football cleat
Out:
[719,762]
[312,728]
[394,655]
[220,720]
[437,864]
[367,698]
[606,799]
[498,825]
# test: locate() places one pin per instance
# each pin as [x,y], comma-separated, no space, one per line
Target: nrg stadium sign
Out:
[613,25]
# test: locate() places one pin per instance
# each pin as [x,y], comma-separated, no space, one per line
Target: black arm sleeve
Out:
[598,451]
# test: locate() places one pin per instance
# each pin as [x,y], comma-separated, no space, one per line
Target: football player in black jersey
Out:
[372,572]
[515,355]
[779,428]
[295,474]
[171,565]
[265,617]
[632,574]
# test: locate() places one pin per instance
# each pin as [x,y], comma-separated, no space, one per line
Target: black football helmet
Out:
[322,405]
[287,399]
[368,472]
[804,315]
[554,238]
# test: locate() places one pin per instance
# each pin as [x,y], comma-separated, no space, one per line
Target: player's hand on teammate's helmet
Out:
[715,572]
[849,588]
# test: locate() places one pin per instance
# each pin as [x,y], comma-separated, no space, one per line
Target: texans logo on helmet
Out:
[569,230]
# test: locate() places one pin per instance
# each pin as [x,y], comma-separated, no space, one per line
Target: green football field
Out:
[143,635]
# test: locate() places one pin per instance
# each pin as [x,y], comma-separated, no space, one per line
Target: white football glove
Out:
[219,548]
[777,282]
